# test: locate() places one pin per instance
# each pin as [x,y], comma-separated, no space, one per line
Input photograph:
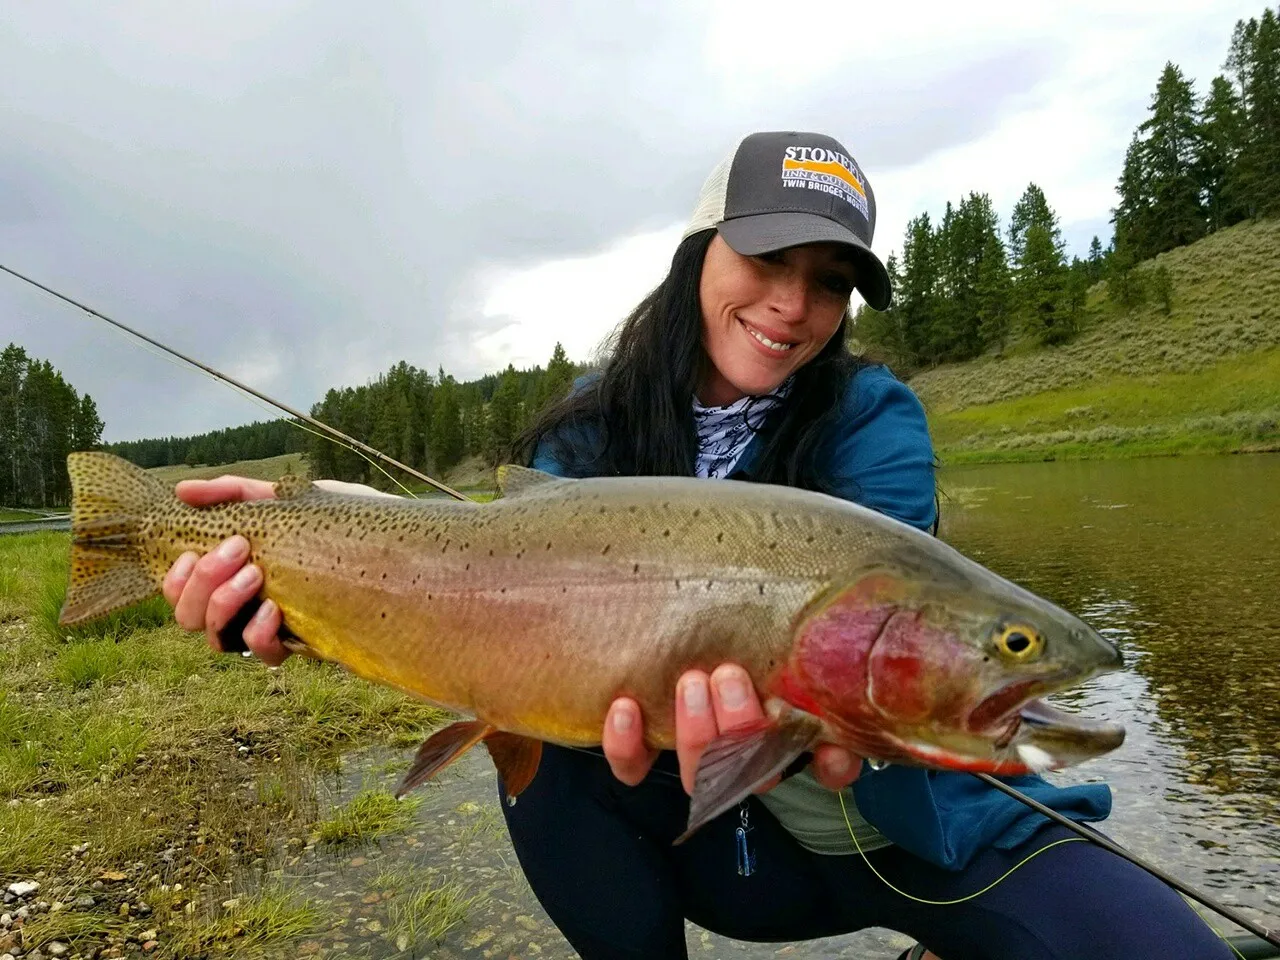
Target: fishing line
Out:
[333,431]
[1022,863]
[367,452]
[272,413]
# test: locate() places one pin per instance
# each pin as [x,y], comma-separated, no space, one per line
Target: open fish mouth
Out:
[1046,738]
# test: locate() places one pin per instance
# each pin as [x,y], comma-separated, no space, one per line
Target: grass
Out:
[423,910]
[12,513]
[369,814]
[135,738]
[268,468]
[273,916]
[69,927]
[1229,406]
[1203,379]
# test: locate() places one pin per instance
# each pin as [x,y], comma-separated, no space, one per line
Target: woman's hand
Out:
[206,592]
[705,707]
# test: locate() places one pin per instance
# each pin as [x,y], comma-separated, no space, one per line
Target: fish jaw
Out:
[904,670]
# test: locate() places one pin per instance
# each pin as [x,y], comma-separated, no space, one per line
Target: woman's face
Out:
[765,317]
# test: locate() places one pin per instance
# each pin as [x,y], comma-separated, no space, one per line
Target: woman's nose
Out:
[789,297]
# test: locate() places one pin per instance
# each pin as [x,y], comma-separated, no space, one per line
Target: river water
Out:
[1177,560]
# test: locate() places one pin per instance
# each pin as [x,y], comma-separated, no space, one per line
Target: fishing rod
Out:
[1233,915]
[226,378]
[1092,836]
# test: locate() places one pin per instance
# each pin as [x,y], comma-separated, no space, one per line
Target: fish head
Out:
[935,661]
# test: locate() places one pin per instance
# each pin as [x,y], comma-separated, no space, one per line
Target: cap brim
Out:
[767,232]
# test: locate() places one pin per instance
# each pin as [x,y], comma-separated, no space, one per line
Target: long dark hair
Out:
[636,418]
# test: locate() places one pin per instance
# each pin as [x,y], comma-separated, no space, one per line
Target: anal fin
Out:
[516,758]
[737,762]
[441,749]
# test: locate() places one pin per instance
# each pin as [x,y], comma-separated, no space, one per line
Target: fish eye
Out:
[1019,642]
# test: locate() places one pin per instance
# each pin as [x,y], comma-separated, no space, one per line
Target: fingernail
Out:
[733,692]
[233,549]
[247,577]
[695,695]
[183,566]
[265,610]
[622,719]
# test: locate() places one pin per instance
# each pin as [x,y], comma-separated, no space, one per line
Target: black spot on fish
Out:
[605,550]
[636,568]
[761,586]
[666,533]
[720,537]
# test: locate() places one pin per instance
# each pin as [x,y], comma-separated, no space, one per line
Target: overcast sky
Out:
[302,193]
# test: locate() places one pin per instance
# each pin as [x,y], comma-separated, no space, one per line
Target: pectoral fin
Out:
[734,764]
[516,758]
[441,749]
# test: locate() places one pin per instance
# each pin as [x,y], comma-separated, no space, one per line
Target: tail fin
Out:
[109,499]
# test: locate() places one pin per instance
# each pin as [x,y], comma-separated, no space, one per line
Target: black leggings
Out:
[598,855]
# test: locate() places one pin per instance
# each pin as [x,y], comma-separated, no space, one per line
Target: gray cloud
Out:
[305,193]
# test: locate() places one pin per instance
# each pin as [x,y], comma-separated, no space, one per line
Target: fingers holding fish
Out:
[835,767]
[623,741]
[261,635]
[707,707]
[210,572]
[203,493]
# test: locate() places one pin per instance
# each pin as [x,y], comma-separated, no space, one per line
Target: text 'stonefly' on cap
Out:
[779,190]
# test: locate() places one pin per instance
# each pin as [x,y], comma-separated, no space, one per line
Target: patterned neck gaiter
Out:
[725,432]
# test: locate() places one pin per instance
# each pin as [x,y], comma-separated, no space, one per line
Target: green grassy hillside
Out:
[1205,378]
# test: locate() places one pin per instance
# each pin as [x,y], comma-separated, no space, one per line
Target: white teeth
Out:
[779,347]
[1035,758]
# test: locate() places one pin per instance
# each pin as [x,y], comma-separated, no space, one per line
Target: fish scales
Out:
[534,612]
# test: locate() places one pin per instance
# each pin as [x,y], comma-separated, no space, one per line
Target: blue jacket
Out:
[879,455]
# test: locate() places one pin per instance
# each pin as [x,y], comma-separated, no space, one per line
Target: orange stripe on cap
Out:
[833,169]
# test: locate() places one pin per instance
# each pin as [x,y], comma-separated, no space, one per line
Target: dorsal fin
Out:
[514,480]
[291,486]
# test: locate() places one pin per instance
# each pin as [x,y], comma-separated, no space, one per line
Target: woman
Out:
[736,366]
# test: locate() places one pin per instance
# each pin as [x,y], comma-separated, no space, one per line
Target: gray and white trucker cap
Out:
[784,189]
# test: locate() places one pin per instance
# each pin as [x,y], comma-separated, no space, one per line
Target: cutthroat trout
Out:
[532,613]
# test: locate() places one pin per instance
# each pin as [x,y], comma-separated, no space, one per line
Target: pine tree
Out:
[1221,138]
[882,330]
[445,438]
[1132,216]
[994,294]
[1096,264]
[86,433]
[1032,208]
[503,419]
[1039,266]
[1171,149]
[558,379]
[1040,281]
[1254,59]
[920,282]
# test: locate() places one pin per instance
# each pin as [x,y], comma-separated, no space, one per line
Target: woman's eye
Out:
[838,283]
[774,256]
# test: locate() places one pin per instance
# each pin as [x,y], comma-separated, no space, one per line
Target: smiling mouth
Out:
[773,345]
